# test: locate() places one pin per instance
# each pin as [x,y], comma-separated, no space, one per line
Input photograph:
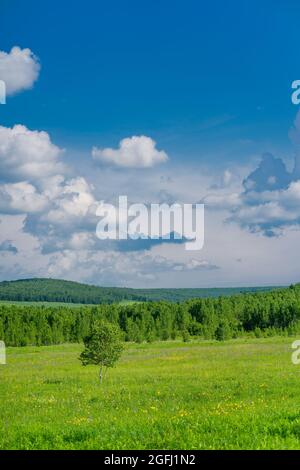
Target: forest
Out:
[258,314]
[56,290]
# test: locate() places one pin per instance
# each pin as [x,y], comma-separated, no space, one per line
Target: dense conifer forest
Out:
[258,314]
[53,290]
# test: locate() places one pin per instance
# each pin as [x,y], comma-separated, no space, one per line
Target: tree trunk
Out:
[101,374]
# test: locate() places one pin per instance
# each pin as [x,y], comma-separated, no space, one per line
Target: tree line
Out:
[260,314]
[56,290]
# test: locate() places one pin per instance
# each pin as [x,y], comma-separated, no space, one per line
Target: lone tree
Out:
[103,346]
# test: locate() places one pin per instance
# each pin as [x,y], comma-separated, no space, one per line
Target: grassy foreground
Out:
[241,394]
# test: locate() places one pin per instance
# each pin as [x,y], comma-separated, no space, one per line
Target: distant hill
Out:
[55,290]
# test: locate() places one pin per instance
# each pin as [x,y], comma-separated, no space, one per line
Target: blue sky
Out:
[208,82]
[171,69]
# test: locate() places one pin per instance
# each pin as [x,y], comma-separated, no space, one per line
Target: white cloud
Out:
[134,152]
[66,246]
[109,268]
[74,202]
[19,69]
[222,201]
[269,210]
[195,265]
[68,219]
[268,201]
[21,198]
[82,240]
[27,155]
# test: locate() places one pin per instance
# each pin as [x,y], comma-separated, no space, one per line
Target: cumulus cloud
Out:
[21,198]
[269,211]
[75,201]
[19,69]
[269,199]
[27,155]
[133,152]
[54,206]
[32,182]
[69,220]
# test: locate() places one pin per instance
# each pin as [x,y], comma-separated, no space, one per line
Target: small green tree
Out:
[223,330]
[185,335]
[103,346]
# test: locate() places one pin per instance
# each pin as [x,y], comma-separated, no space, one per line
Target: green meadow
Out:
[237,394]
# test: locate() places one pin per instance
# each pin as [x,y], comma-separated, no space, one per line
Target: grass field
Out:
[241,394]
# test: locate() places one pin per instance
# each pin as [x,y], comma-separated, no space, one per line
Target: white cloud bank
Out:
[27,155]
[111,268]
[133,152]
[19,69]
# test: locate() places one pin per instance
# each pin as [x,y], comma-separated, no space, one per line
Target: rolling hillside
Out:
[54,290]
